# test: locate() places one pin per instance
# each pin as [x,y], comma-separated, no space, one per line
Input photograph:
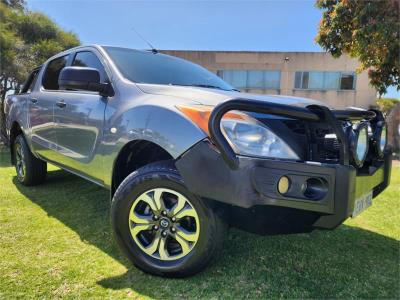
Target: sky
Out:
[269,25]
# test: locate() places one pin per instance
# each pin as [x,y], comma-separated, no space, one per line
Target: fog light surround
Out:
[359,143]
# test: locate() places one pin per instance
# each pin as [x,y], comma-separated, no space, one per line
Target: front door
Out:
[79,118]
[41,109]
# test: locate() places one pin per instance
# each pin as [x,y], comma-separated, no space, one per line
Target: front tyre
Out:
[163,228]
[30,170]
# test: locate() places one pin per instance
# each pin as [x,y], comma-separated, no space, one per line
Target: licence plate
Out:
[362,203]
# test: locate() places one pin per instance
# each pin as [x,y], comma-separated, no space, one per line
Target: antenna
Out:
[154,50]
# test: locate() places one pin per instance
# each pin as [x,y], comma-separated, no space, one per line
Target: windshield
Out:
[148,67]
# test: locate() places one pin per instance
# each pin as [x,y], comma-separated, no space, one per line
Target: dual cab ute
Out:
[185,155]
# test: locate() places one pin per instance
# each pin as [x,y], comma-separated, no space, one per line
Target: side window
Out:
[90,60]
[50,78]
[30,82]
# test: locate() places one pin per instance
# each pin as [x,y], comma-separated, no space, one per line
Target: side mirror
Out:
[82,78]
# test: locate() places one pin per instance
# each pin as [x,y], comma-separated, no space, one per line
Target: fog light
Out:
[359,143]
[316,188]
[283,185]
[380,138]
[382,141]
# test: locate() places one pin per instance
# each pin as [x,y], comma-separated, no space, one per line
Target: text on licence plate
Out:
[362,203]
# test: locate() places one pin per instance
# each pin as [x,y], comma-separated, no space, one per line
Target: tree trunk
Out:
[3,133]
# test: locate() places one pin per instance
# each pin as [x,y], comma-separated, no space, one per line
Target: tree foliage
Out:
[386,104]
[19,4]
[27,39]
[367,30]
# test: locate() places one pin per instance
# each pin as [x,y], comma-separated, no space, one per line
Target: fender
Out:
[164,126]
[16,110]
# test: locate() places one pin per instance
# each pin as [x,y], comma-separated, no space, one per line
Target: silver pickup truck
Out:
[185,155]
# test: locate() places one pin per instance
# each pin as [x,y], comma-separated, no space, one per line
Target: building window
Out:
[237,79]
[347,81]
[252,79]
[317,80]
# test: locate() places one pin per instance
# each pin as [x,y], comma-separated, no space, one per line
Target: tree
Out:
[367,30]
[386,104]
[19,4]
[27,39]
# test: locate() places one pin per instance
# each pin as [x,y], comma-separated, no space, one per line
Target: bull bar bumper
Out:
[211,169]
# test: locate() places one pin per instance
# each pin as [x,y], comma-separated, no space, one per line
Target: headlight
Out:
[359,144]
[380,138]
[248,137]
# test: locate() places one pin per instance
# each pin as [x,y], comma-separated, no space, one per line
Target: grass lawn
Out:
[56,242]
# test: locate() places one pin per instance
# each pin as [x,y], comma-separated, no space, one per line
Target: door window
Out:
[50,78]
[30,82]
[90,60]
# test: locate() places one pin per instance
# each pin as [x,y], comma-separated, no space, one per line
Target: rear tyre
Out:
[30,170]
[163,228]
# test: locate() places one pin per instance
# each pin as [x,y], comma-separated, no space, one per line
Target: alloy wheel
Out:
[164,224]
[20,161]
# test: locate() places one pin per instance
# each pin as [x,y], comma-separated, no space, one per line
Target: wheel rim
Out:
[20,161]
[164,224]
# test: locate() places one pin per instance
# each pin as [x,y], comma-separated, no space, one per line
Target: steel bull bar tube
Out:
[313,113]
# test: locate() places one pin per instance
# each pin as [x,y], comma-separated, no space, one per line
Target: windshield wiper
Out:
[210,86]
[214,87]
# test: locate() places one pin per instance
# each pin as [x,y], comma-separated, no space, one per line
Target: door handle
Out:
[61,104]
[34,100]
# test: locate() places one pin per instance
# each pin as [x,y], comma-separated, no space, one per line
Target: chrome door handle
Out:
[34,100]
[61,104]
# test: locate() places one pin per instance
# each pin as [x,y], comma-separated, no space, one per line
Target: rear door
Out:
[41,108]
[23,97]
[79,117]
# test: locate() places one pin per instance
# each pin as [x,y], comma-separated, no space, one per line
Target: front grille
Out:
[297,127]
[329,149]
[319,139]
[312,141]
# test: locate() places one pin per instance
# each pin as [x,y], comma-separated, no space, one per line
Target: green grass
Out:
[56,242]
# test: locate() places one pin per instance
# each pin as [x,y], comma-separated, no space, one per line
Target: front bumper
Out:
[212,169]
[255,182]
